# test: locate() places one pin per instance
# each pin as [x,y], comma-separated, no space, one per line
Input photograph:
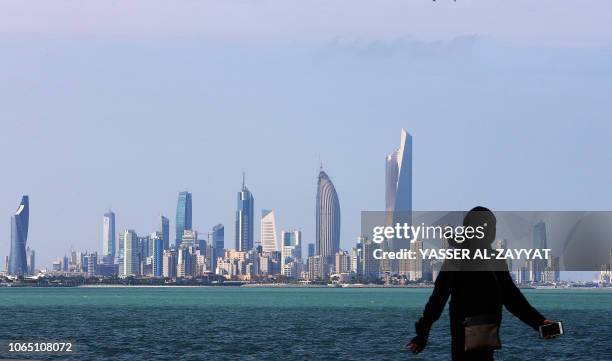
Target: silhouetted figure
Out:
[474,290]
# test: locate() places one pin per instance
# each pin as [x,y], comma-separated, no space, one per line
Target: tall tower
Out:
[398,179]
[244,219]
[218,241]
[268,231]
[18,264]
[328,219]
[398,195]
[130,259]
[183,216]
[108,237]
[164,225]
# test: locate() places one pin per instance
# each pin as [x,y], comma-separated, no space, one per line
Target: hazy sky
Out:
[122,105]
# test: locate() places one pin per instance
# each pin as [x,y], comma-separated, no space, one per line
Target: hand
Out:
[548,322]
[414,346]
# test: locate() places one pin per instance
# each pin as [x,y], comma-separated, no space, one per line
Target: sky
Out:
[114,105]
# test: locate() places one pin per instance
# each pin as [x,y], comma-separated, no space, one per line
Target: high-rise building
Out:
[398,179]
[164,225]
[183,216]
[539,242]
[244,219]
[18,264]
[157,254]
[370,265]
[92,264]
[169,264]
[343,262]
[398,196]
[292,246]
[327,220]
[311,249]
[268,231]
[190,238]
[316,268]
[356,259]
[108,237]
[131,260]
[218,241]
[31,255]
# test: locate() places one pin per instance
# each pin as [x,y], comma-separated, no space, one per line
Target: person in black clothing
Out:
[475,288]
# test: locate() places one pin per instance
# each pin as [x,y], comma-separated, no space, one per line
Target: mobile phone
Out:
[554,329]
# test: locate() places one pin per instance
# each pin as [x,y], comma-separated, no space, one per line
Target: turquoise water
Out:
[279,323]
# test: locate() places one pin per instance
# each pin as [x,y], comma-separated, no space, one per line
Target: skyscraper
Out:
[244,219]
[398,196]
[158,254]
[398,180]
[268,231]
[18,264]
[218,241]
[108,237]
[539,242]
[165,231]
[131,257]
[183,216]
[31,255]
[327,219]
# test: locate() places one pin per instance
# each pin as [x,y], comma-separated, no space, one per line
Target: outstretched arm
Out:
[516,303]
[432,311]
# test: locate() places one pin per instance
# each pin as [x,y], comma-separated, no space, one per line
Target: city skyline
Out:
[498,112]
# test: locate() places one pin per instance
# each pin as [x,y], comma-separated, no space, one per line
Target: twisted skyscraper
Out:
[18,264]
[328,218]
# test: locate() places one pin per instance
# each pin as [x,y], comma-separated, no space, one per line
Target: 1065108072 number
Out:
[45,347]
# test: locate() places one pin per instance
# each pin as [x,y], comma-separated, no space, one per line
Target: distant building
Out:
[398,196]
[370,265]
[31,256]
[169,264]
[356,259]
[316,268]
[108,237]
[327,220]
[183,216]
[92,264]
[158,254]
[311,249]
[291,252]
[189,239]
[164,229]
[245,225]
[268,231]
[218,241]
[131,257]
[539,242]
[186,261]
[18,264]
[343,262]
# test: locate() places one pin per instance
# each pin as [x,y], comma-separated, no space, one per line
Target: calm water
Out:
[265,324]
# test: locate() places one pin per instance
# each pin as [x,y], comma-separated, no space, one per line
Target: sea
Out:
[257,323]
